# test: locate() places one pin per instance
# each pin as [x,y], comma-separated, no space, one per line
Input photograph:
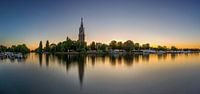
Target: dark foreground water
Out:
[93,74]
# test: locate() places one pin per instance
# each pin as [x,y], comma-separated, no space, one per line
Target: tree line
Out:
[15,48]
[75,46]
[65,46]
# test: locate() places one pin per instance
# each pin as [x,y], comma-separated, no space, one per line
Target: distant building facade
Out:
[81,35]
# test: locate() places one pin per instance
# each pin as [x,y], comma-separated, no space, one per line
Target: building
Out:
[81,35]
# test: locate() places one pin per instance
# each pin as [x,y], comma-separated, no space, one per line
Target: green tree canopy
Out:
[113,44]
[146,46]
[47,48]
[174,48]
[128,45]
[40,47]
[3,48]
[93,46]
[119,45]
[137,46]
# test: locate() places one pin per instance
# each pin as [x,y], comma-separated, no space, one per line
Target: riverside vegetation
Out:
[70,46]
[73,46]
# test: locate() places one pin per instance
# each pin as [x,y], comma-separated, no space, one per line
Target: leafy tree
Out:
[113,44]
[67,44]
[137,46]
[128,45]
[174,48]
[53,48]
[40,47]
[146,46]
[19,48]
[103,47]
[93,46]
[23,48]
[163,48]
[81,46]
[13,48]
[159,47]
[119,45]
[59,47]
[3,48]
[47,48]
[74,45]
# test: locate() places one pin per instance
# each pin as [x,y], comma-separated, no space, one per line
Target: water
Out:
[99,74]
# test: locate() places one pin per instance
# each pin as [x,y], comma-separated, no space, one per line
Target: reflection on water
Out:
[82,62]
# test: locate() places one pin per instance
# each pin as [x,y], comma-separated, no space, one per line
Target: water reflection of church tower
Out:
[81,35]
[81,64]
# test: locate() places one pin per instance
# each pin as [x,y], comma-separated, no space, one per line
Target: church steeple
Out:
[81,22]
[81,36]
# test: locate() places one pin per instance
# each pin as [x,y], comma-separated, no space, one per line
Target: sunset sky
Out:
[158,22]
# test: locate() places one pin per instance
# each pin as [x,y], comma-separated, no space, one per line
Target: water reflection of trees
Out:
[128,58]
[173,56]
[40,59]
[113,59]
[47,59]
[93,58]
[145,58]
[136,58]
[162,56]
[79,60]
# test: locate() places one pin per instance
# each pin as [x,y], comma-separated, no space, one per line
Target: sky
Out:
[158,22]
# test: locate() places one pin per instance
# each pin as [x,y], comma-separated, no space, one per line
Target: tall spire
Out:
[81,32]
[81,21]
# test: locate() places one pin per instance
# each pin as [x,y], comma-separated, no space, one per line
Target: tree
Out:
[119,45]
[3,48]
[59,47]
[128,45]
[67,45]
[40,47]
[103,47]
[13,48]
[53,48]
[113,44]
[81,46]
[47,48]
[19,48]
[163,48]
[137,46]
[98,45]
[159,47]
[22,48]
[93,46]
[146,46]
[173,48]
[74,45]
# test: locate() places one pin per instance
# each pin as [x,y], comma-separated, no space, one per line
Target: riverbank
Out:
[124,52]
[120,52]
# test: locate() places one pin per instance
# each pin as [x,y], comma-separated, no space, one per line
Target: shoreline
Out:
[140,52]
[106,52]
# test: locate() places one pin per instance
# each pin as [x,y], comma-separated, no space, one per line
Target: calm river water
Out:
[99,74]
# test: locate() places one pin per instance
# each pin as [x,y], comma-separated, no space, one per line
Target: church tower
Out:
[81,35]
